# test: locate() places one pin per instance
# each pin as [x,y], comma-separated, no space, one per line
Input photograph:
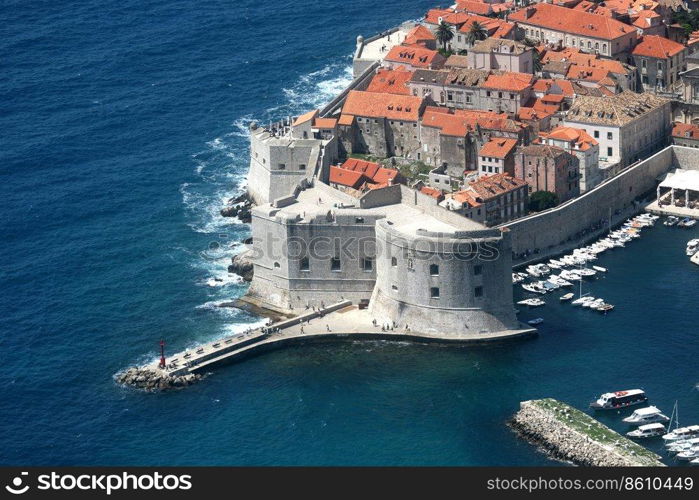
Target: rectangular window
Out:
[434,292]
[477,270]
[609,136]
[610,151]
[434,270]
[282,166]
[596,132]
[304,264]
[302,167]
[359,220]
[478,292]
[367,265]
[335,264]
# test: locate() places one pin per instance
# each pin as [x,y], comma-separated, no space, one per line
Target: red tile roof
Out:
[474,6]
[419,34]
[391,81]
[685,130]
[571,21]
[324,123]
[382,105]
[457,123]
[433,192]
[495,185]
[583,141]
[657,47]
[375,173]
[345,120]
[347,178]
[498,147]
[416,56]
[306,117]
[515,82]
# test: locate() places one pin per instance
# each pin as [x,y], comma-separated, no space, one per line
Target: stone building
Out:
[414,57]
[501,54]
[685,134]
[592,33]
[548,168]
[628,126]
[497,157]
[579,143]
[494,200]
[659,62]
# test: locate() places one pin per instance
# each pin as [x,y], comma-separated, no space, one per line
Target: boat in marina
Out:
[536,321]
[558,280]
[692,247]
[582,300]
[531,302]
[694,259]
[600,269]
[679,446]
[671,220]
[649,415]
[619,399]
[567,297]
[605,308]
[687,222]
[647,431]
[517,278]
[682,433]
[593,304]
[689,454]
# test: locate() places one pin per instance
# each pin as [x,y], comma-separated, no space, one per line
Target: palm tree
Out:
[537,61]
[444,34]
[476,33]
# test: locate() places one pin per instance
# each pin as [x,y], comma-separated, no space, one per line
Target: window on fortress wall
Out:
[304,264]
[394,262]
[434,270]
[609,135]
[596,132]
[276,265]
[335,264]
[434,292]
[359,220]
[610,151]
[367,265]
[281,166]
[478,292]
[477,270]
[302,167]
[394,287]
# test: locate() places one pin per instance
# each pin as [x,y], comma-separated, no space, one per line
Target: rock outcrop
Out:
[241,265]
[570,435]
[238,207]
[152,380]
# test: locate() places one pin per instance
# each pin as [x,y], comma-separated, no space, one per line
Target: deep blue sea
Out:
[122,131]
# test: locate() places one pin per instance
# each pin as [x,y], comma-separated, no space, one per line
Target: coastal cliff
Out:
[569,435]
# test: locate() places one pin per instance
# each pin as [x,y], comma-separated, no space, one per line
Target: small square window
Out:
[359,220]
[281,166]
[394,262]
[304,264]
[434,270]
[302,167]
[335,264]
[394,287]
[434,292]
[367,265]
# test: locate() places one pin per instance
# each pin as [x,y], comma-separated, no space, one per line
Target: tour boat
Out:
[531,302]
[567,297]
[536,321]
[679,446]
[649,415]
[647,431]
[692,247]
[619,399]
[599,269]
[682,433]
[689,454]
[671,220]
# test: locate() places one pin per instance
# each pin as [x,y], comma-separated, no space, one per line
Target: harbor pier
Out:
[337,322]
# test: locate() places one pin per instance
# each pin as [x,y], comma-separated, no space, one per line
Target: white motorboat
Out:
[582,300]
[534,288]
[536,321]
[516,278]
[600,269]
[694,259]
[592,304]
[689,454]
[604,307]
[678,446]
[682,433]
[554,264]
[567,297]
[586,272]
[687,222]
[570,275]
[695,461]
[619,399]
[557,280]
[531,302]
[649,415]
[671,220]
[692,247]
[647,431]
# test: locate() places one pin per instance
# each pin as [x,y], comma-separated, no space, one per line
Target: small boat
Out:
[649,415]
[689,454]
[516,278]
[619,399]
[583,300]
[531,302]
[536,321]
[678,446]
[692,247]
[690,223]
[567,297]
[671,220]
[534,288]
[682,433]
[605,308]
[695,461]
[600,269]
[647,431]
[694,259]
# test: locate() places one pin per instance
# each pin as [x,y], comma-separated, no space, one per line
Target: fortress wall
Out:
[552,231]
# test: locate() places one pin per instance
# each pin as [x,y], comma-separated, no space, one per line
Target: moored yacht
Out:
[531,302]
[619,399]
[647,431]
[648,415]
[692,247]
[680,433]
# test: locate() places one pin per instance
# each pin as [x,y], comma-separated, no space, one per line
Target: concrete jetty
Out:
[341,321]
[570,435]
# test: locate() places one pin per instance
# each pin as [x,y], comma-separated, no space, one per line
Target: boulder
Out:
[241,265]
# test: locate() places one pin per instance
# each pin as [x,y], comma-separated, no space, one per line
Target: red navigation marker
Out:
[162,354]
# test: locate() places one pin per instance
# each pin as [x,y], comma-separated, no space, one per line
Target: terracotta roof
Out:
[391,81]
[474,6]
[325,123]
[615,110]
[305,117]
[416,56]
[657,46]
[495,185]
[685,131]
[552,86]
[515,82]
[531,114]
[345,119]
[419,34]
[582,140]
[465,197]
[448,16]
[457,61]
[382,105]
[542,150]
[345,177]
[457,123]
[373,171]
[571,21]
[433,192]
[498,147]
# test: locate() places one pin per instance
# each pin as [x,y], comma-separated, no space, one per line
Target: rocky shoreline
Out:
[239,207]
[242,265]
[569,435]
[152,380]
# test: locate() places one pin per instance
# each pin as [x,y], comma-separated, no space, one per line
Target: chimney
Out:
[528,12]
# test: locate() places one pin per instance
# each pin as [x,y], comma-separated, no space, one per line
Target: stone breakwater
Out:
[570,435]
[154,380]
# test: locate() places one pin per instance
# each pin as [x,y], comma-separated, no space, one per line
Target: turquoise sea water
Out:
[123,130]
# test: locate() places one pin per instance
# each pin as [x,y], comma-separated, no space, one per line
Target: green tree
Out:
[537,61]
[476,33]
[444,34]
[542,200]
